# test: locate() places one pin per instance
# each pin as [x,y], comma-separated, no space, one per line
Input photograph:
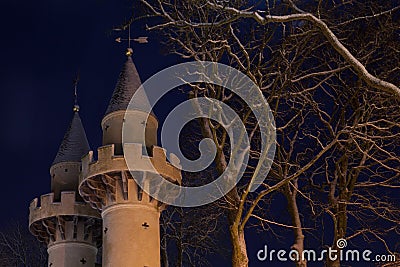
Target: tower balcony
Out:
[66,220]
[111,179]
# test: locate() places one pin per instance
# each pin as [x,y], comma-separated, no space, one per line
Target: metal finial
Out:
[129,52]
[140,40]
[76,106]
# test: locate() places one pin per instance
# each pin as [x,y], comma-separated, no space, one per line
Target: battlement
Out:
[67,206]
[109,162]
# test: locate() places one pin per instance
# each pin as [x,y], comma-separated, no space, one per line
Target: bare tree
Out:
[330,111]
[176,15]
[18,247]
[358,177]
[190,236]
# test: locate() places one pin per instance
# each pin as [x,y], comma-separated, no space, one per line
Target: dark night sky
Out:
[44,44]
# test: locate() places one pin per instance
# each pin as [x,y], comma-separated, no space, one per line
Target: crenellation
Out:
[86,161]
[68,198]
[107,162]
[59,217]
[175,161]
[47,202]
[67,206]
[116,183]
[105,152]
[108,181]
[34,203]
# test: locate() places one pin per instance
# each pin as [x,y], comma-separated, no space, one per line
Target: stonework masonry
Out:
[131,235]
[97,202]
[70,227]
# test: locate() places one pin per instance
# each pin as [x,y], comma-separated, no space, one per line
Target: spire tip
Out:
[76,106]
[129,52]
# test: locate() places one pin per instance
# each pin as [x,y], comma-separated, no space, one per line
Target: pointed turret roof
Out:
[127,84]
[74,144]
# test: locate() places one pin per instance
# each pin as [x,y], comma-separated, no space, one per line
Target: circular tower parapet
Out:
[131,235]
[131,227]
[70,227]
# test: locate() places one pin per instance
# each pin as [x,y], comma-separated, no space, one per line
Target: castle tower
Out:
[131,235]
[70,227]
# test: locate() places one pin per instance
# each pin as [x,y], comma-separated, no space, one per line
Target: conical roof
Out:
[127,84]
[74,144]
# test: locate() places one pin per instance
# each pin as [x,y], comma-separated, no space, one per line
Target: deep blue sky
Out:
[43,45]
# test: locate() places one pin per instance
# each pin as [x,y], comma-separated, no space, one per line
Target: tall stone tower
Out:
[131,235]
[70,227]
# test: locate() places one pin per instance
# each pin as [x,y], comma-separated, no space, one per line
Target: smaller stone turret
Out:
[70,227]
[67,164]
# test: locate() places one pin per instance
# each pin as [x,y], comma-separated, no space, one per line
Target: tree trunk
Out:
[164,246]
[335,263]
[239,249]
[164,255]
[339,205]
[294,213]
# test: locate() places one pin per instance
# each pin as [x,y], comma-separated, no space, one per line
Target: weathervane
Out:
[75,82]
[140,40]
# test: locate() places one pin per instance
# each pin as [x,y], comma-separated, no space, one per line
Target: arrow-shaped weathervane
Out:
[140,40]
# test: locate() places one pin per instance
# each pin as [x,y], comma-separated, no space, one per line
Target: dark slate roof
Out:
[127,84]
[74,144]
